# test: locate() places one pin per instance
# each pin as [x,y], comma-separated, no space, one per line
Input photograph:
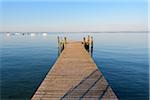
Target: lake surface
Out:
[121,57]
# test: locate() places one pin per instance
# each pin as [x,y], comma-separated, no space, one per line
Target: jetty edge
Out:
[74,76]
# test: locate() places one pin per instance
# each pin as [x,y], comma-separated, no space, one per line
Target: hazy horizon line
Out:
[74,32]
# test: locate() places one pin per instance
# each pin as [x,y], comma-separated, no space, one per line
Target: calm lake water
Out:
[121,57]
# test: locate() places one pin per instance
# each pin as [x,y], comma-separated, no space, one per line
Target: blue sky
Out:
[73,16]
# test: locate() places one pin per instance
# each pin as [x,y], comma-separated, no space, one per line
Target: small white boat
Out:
[17,33]
[32,34]
[44,34]
[8,34]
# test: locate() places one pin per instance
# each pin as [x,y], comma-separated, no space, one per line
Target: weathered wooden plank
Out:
[74,76]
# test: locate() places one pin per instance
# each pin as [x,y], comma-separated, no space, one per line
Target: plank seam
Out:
[101,96]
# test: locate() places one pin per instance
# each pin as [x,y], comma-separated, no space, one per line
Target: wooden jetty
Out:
[74,76]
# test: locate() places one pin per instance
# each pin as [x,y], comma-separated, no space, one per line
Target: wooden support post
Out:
[84,41]
[91,46]
[65,40]
[91,42]
[62,45]
[59,48]
[88,40]
[58,41]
